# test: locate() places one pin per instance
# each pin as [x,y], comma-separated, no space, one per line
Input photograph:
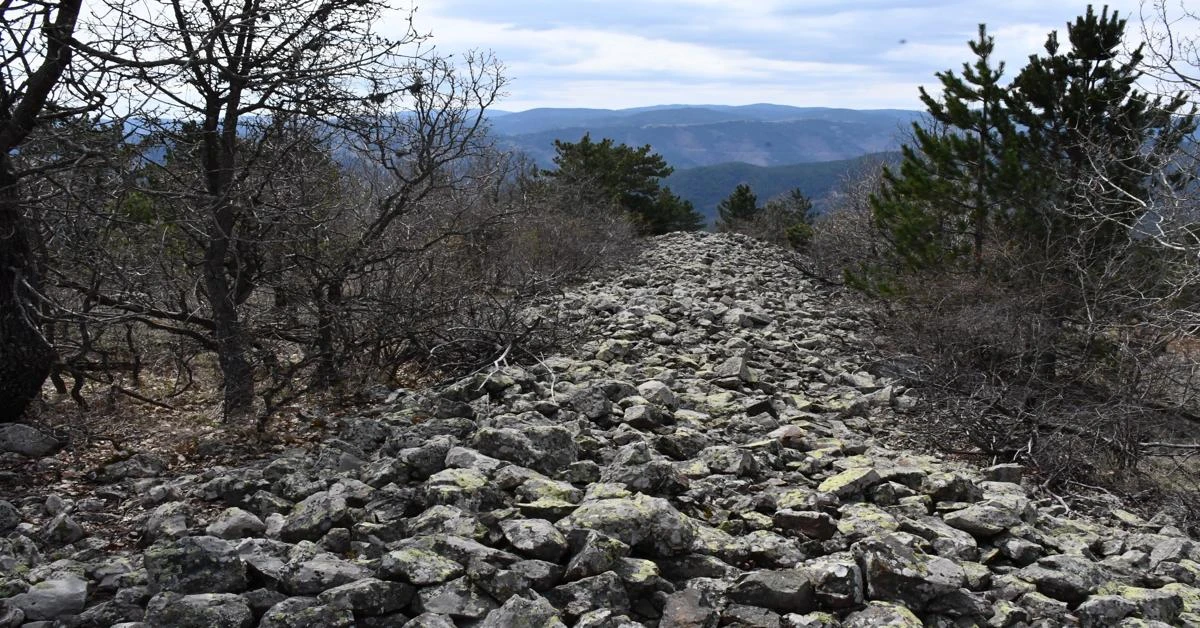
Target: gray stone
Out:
[418,566]
[1103,610]
[1067,578]
[604,591]
[879,613]
[519,612]
[205,610]
[62,530]
[837,582]
[850,482]
[195,564]
[786,590]
[306,612]
[235,523]
[369,596]
[52,599]
[689,608]
[595,554]
[648,524]
[815,525]
[139,465]
[457,598]
[659,393]
[729,460]
[536,538]
[9,517]
[984,520]
[27,441]
[897,573]
[320,573]
[168,521]
[316,515]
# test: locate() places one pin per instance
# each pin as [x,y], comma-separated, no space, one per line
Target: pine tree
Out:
[627,179]
[740,206]
[1083,116]
[961,170]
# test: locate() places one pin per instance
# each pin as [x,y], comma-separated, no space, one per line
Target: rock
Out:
[27,441]
[983,520]
[1067,578]
[837,582]
[519,612]
[458,598]
[235,523]
[9,517]
[51,599]
[139,465]
[315,515]
[418,566]
[168,521]
[689,608]
[62,530]
[729,460]
[850,482]
[205,610]
[897,573]
[1103,610]
[536,538]
[195,564]
[595,554]
[430,620]
[1155,604]
[303,612]
[369,596]
[597,592]
[658,393]
[1010,472]
[878,614]
[320,573]
[787,591]
[648,524]
[815,525]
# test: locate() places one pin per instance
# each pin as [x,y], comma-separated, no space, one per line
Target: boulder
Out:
[29,442]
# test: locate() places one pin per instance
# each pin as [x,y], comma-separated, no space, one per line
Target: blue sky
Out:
[840,53]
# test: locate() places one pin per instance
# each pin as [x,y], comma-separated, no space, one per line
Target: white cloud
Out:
[619,53]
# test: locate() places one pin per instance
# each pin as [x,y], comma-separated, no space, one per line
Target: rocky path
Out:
[718,458]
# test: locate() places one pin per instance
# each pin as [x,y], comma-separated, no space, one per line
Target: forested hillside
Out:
[762,135]
[705,186]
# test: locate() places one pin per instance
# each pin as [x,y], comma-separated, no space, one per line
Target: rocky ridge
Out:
[720,457]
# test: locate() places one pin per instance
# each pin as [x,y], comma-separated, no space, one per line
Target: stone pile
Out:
[719,456]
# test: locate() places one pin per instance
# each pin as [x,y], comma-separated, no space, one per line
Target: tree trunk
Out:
[329,300]
[238,377]
[25,355]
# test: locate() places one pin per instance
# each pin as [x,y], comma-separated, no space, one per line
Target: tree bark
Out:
[25,355]
[236,371]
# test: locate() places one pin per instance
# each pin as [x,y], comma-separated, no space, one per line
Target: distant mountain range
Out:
[707,186]
[713,148]
[688,136]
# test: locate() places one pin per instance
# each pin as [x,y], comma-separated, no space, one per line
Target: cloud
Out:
[852,53]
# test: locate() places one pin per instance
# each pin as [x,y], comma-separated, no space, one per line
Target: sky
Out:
[862,54]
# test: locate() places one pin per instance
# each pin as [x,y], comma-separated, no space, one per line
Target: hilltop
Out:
[720,449]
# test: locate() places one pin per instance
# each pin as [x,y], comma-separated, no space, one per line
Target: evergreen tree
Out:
[625,178]
[1082,113]
[739,207]
[794,212]
[961,169]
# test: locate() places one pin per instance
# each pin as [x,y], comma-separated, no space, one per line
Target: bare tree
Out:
[40,84]
[220,77]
